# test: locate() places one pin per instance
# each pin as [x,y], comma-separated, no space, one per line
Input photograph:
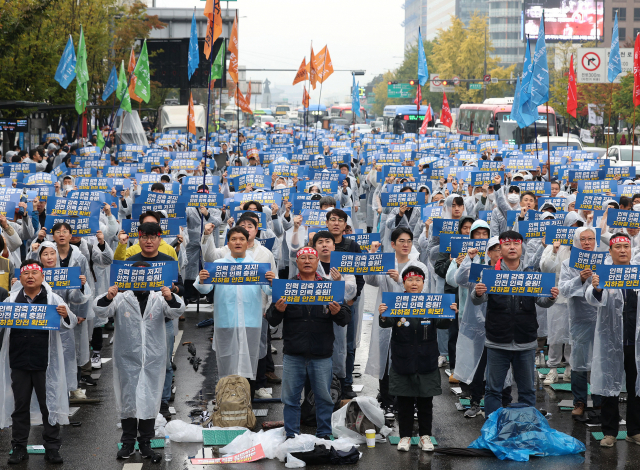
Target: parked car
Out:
[620,155]
[561,141]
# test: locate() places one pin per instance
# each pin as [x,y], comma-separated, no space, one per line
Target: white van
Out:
[174,118]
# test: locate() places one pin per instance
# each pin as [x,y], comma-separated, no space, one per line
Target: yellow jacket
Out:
[122,252]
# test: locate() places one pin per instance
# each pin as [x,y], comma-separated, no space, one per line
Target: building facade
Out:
[504,31]
[415,15]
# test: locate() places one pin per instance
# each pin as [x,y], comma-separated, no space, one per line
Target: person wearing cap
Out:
[30,360]
[308,338]
[511,329]
[414,377]
[615,348]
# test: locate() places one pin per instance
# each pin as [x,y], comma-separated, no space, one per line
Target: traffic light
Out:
[412,82]
[392,82]
[445,82]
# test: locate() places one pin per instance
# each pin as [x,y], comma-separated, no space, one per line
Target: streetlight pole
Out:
[485,60]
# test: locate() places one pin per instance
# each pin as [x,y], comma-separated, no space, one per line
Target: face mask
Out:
[513,198]
[68,187]
[477,196]
[492,197]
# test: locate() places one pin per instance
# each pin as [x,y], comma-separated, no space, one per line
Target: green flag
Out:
[218,65]
[82,75]
[100,139]
[143,85]
[122,92]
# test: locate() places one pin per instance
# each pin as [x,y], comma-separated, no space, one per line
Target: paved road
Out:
[93,445]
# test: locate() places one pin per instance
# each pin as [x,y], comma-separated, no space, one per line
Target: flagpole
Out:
[110,121]
[633,132]
[548,146]
[324,61]
[610,101]
[307,110]
[206,131]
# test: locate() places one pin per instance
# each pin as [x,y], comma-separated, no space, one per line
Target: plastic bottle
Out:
[167,449]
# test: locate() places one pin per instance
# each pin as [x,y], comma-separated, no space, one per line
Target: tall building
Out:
[440,12]
[415,15]
[628,22]
[504,30]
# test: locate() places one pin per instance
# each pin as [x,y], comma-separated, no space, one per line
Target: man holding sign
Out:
[31,361]
[614,353]
[511,328]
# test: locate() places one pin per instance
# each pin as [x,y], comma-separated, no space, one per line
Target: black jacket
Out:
[308,329]
[349,245]
[414,349]
[511,318]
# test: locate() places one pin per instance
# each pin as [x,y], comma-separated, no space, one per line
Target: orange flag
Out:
[249,92]
[191,119]
[214,15]
[302,74]
[313,71]
[241,102]
[132,83]
[323,64]
[305,98]
[233,52]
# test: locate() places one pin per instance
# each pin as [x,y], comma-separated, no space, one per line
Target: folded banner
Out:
[418,305]
[80,226]
[622,218]
[402,199]
[29,316]
[252,454]
[128,277]
[462,246]
[72,207]
[364,240]
[565,235]
[582,259]
[60,278]
[362,263]
[532,284]
[237,273]
[307,292]
[618,277]
[475,272]
[170,227]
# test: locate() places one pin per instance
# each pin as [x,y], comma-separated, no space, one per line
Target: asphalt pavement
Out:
[93,443]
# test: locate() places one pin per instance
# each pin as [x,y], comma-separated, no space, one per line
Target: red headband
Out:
[507,240]
[30,267]
[412,274]
[618,240]
[306,251]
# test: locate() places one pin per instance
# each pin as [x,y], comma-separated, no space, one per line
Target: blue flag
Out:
[111,85]
[615,64]
[194,53]
[540,77]
[423,71]
[528,111]
[355,97]
[66,71]
[516,107]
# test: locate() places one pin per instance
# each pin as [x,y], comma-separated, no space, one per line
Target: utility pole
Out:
[485,60]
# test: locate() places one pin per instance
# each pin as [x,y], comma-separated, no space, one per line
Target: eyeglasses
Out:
[335,219]
[582,240]
[61,232]
[151,238]
[404,242]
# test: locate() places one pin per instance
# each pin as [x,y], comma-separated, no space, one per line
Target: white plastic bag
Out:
[159,426]
[370,408]
[270,440]
[292,462]
[179,431]
[300,443]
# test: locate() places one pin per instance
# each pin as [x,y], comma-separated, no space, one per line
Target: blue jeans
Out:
[295,371]
[498,363]
[351,342]
[443,342]
[168,377]
[579,389]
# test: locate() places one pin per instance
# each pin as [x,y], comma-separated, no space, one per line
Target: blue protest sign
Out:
[255,181]
[593,201]
[538,188]
[286,170]
[266,242]
[29,316]
[625,172]
[530,284]
[444,226]
[446,240]
[402,199]
[397,172]
[100,196]
[326,175]
[307,292]
[558,202]
[8,206]
[480,178]
[94,184]
[314,218]
[364,240]
[202,200]
[582,259]
[60,278]
[262,223]
[128,277]
[170,227]
[324,186]
[485,215]
[72,207]
[475,272]
[172,210]
[460,246]
[39,178]
[362,263]
[585,175]
[535,228]
[618,276]
[86,171]
[304,202]
[431,212]
[622,218]
[237,273]
[565,235]
[418,305]
[265,198]
[80,226]
[596,187]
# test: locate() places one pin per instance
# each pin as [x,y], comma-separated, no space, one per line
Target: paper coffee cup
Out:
[371,437]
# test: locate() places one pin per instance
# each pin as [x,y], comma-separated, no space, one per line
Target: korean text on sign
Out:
[533,284]
[29,316]
[618,277]
[308,292]
[362,263]
[418,305]
[237,273]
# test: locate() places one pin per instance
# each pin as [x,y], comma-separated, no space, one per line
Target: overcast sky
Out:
[361,35]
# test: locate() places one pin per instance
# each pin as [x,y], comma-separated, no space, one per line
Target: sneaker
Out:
[388,412]
[126,451]
[272,378]
[53,456]
[567,374]
[96,361]
[18,454]
[442,361]
[552,377]
[164,410]
[78,394]
[405,444]
[425,444]
[88,381]
[635,439]
[452,379]
[262,393]
[146,451]
[473,411]
[348,393]
[578,409]
[608,441]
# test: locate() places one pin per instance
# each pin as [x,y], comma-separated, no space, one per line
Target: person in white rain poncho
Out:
[33,360]
[139,357]
[582,320]
[614,348]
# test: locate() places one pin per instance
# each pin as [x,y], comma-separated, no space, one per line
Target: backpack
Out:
[233,403]
[308,406]
[357,421]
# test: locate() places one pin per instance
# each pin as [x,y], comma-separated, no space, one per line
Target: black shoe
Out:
[126,451]
[146,451]
[52,456]
[88,381]
[173,366]
[18,454]
[109,326]
[348,393]
[164,410]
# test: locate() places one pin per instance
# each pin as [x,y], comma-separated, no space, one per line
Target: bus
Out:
[343,111]
[407,114]
[494,117]
[282,110]
[315,113]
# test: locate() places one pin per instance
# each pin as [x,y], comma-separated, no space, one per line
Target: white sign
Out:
[435,85]
[595,117]
[585,136]
[593,61]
